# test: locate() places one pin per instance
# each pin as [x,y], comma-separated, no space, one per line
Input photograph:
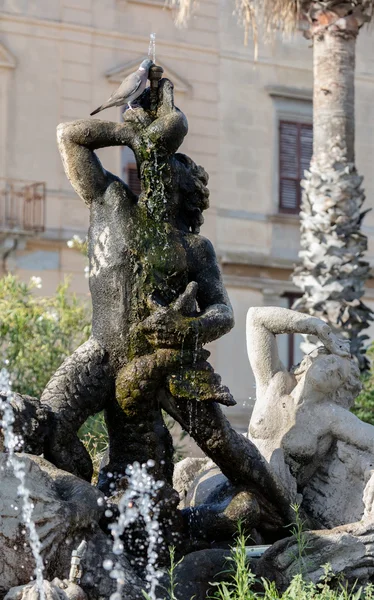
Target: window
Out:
[295,153]
[129,170]
[132,178]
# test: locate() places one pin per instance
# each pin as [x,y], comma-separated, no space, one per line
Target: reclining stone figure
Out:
[301,421]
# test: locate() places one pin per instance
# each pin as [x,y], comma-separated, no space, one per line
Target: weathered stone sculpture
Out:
[157,298]
[156,290]
[301,421]
[302,425]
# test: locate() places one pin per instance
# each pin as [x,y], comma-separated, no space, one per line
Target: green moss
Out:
[191,384]
[160,266]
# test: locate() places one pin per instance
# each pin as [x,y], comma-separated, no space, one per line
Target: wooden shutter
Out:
[295,153]
[133,180]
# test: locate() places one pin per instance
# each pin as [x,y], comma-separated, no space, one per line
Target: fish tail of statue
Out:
[78,389]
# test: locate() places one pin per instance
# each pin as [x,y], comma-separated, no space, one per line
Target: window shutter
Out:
[306,148]
[295,153]
[133,180]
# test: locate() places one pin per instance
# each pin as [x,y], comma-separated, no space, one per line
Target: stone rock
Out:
[206,486]
[54,590]
[197,571]
[185,471]
[66,511]
[213,507]
[335,493]
[348,549]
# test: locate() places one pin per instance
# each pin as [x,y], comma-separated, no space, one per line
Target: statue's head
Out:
[192,191]
[325,374]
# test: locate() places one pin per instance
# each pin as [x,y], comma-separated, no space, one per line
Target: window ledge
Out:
[157,3]
[290,218]
[282,91]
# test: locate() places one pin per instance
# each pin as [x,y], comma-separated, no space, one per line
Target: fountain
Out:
[158,298]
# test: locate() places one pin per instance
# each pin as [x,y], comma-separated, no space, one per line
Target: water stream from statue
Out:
[12,443]
[152,47]
[139,502]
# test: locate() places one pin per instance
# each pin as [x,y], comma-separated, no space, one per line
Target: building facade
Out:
[249,126]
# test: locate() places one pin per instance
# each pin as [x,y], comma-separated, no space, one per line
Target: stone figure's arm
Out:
[216,317]
[178,323]
[264,323]
[77,142]
[345,426]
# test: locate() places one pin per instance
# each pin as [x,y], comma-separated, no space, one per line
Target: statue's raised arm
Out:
[77,142]
[265,323]
[141,131]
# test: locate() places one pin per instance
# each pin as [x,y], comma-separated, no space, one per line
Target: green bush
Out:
[38,333]
[364,403]
[240,581]
[94,435]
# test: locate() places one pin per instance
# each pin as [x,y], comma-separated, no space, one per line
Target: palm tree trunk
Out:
[332,273]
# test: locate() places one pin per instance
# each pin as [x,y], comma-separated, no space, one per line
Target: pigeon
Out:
[131,88]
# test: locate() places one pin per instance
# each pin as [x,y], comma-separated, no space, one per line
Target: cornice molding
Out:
[283,91]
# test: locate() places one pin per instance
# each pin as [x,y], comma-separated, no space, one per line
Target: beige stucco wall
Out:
[54,57]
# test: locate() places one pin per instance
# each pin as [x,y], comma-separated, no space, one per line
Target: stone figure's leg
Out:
[78,389]
[237,457]
[135,424]
[136,428]
[139,434]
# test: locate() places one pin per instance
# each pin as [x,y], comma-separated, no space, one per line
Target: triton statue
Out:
[156,289]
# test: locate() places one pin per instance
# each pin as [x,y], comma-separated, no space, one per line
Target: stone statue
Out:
[158,298]
[156,289]
[301,421]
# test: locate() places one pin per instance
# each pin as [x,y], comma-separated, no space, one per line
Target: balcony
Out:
[22,207]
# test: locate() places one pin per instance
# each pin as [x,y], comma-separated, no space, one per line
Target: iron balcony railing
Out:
[22,206]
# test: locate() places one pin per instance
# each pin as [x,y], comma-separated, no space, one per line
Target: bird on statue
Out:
[130,89]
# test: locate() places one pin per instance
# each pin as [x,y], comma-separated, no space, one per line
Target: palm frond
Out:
[270,15]
[184,10]
[273,15]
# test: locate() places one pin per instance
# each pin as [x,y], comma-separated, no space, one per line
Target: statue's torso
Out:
[132,256]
